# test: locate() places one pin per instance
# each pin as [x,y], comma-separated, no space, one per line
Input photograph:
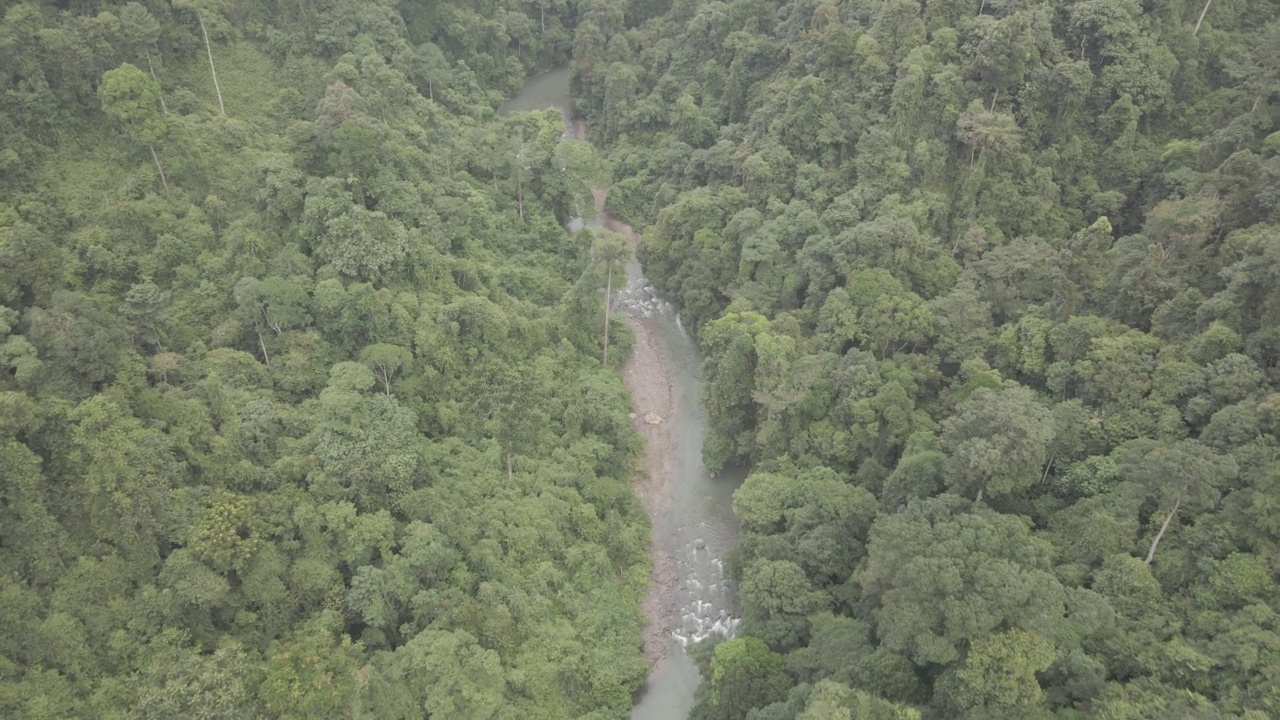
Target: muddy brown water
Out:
[691,598]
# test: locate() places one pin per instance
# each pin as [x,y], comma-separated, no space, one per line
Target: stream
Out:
[691,513]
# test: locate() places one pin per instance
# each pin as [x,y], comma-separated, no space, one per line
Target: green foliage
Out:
[131,99]
[997,677]
[997,441]
[744,674]
[969,251]
[300,417]
[941,578]
[303,414]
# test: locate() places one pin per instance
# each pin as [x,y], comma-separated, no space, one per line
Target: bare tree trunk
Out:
[993,101]
[980,491]
[1199,22]
[164,108]
[510,468]
[608,295]
[213,70]
[1151,554]
[1047,466]
[159,168]
[263,345]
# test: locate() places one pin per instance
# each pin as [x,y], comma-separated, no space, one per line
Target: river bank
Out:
[646,373]
[644,376]
[689,597]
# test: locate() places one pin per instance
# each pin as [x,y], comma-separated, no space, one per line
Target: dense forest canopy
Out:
[988,293]
[302,411]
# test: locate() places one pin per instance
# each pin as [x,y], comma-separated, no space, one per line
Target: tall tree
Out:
[1185,472]
[130,98]
[998,441]
[610,252]
[941,579]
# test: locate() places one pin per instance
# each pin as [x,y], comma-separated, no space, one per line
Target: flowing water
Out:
[693,523]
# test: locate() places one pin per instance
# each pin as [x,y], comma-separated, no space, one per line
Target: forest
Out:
[304,414]
[302,410]
[988,295]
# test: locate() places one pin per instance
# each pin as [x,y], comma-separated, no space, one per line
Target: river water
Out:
[691,512]
[693,523]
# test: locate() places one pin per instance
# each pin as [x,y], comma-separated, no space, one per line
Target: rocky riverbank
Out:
[647,376]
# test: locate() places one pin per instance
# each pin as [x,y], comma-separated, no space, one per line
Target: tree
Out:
[987,131]
[514,405]
[777,599]
[195,8]
[146,308]
[821,518]
[312,673]
[961,323]
[919,472]
[365,449]
[581,170]
[1257,70]
[359,242]
[275,304]
[997,678]
[128,473]
[1186,471]
[363,244]
[895,322]
[1012,276]
[744,674]
[224,534]
[997,441]
[81,343]
[834,701]
[729,344]
[610,252]
[386,361]
[451,675]
[940,578]
[1081,266]
[28,525]
[129,97]
[178,682]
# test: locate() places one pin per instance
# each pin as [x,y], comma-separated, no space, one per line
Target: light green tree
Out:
[997,678]
[130,98]
[610,253]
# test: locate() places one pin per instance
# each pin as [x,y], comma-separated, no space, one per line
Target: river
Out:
[691,514]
